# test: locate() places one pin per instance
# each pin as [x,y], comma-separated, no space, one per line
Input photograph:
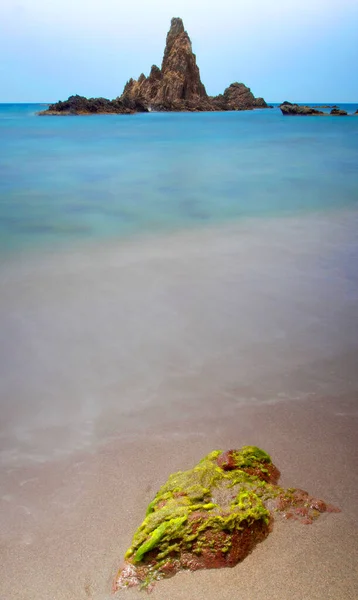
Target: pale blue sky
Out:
[282,49]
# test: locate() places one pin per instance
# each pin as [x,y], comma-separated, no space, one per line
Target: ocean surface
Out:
[67,180]
[171,283]
[155,264]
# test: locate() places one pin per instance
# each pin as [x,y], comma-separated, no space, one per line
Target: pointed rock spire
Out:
[177,85]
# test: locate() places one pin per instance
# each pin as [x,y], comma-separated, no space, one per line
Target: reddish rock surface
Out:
[212,516]
[298,505]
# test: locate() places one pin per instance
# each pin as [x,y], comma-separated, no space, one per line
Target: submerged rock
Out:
[212,516]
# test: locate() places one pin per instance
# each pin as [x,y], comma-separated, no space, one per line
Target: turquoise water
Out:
[145,347]
[68,179]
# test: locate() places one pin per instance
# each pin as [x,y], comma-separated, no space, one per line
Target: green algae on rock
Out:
[212,516]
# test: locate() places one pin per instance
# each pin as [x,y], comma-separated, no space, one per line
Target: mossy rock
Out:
[212,516]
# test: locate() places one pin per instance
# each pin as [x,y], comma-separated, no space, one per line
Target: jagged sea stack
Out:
[177,85]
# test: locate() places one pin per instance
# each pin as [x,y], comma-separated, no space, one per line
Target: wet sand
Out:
[122,364]
[90,508]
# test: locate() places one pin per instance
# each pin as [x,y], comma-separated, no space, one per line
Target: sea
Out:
[161,274]
[154,261]
[64,181]
[153,257]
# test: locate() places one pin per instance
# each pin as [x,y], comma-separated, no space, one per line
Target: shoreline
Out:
[127,361]
[237,311]
[142,242]
[102,498]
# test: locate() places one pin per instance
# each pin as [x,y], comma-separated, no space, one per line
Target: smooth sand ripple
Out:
[122,364]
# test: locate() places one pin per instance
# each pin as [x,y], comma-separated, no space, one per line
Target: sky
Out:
[283,50]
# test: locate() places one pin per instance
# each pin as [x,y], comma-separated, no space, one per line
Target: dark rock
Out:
[212,516]
[295,109]
[79,105]
[338,112]
[316,106]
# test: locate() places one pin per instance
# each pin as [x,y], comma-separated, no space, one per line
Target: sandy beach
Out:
[125,363]
[91,507]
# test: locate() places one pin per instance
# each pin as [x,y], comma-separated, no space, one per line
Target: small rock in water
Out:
[338,112]
[212,516]
[289,109]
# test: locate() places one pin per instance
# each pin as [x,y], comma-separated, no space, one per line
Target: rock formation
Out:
[79,105]
[294,109]
[289,109]
[338,112]
[212,516]
[237,97]
[176,86]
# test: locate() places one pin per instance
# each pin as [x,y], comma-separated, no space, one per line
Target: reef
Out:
[176,86]
[212,516]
